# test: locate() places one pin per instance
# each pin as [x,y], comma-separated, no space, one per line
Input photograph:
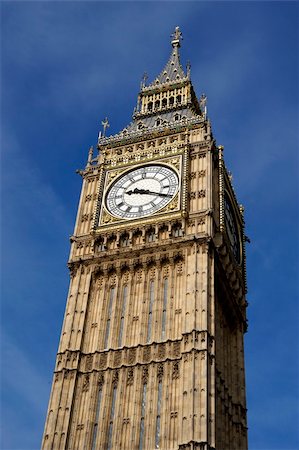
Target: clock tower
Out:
[151,353]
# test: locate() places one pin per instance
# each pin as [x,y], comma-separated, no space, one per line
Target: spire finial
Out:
[203,105]
[106,125]
[177,37]
[188,69]
[143,80]
[90,155]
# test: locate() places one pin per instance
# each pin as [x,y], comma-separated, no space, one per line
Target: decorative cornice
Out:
[191,343]
[125,138]
[169,246]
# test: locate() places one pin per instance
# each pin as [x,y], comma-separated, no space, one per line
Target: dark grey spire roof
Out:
[173,71]
[162,119]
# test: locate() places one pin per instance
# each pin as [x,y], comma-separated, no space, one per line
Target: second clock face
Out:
[231,228]
[142,191]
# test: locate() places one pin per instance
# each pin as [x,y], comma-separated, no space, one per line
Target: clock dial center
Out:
[142,192]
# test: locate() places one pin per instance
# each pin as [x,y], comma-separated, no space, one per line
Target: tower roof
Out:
[168,102]
[173,71]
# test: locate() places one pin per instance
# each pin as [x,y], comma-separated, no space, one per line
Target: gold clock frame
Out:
[173,209]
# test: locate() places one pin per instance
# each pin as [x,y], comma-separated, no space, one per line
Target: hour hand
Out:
[147,192]
[137,191]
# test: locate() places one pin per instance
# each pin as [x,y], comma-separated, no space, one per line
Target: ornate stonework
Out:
[151,352]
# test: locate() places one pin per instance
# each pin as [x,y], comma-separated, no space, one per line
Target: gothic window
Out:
[177,230]
[110,429]
[165,295]
[111,242]
[101,247]
[171,101]
[150,235]
[137,237]
[157,104]
[122,318]
[177,117]
[111,297]
[150,310]
[140,126]
[96,422]
[124,240]
[179,99]
[141,431]
[163,232]
[164,102]
[150,106]
[158,417]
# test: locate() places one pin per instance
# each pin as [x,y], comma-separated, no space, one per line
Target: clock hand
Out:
[161,194]
[147,192]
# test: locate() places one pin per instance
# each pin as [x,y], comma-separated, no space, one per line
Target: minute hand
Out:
[147,192]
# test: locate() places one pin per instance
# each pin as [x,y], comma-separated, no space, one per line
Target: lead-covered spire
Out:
[173,71]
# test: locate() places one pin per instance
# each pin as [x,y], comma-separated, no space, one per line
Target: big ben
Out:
[151,354]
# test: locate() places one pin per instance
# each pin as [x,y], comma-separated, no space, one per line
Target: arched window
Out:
[143,405]
[96,423]
[122,318]
[164,102]
[150,235]
[110,429]
[165,296]
[137,237]
[163,232]
[100,245]
[177,230]
[111,242]
[158,417]
[171,101]
[157,104]
[150,310]
[179,99]
[108,317]
[150,106]
[124,240]
[177,117]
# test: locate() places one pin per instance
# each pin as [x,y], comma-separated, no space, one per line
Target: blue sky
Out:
[67,65]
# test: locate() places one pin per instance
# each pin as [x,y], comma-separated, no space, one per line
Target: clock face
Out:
[142,191]
[231,228]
